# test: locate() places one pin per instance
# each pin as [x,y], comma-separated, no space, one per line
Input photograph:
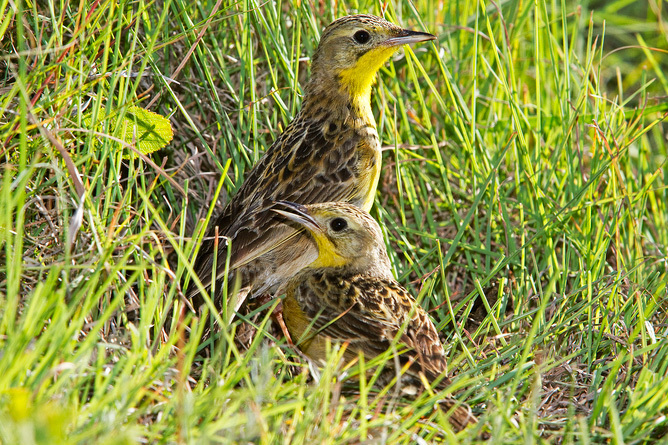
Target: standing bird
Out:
[348,294]
[329,152]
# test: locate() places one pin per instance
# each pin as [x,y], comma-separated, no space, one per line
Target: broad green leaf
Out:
[143,129]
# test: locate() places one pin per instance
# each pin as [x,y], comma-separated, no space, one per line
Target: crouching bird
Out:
[348,294]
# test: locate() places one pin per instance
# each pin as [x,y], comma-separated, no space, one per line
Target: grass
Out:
[523,198]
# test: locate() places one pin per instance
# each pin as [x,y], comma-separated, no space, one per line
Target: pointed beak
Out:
[297,213]
[407,37]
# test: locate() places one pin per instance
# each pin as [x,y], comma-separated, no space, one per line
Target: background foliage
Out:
[523,198]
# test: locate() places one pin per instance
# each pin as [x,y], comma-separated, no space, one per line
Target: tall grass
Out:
[523,199]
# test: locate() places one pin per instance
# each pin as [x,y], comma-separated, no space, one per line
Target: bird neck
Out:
[337,92]
[358,92]
[358,80]
[352,271]
[377,266]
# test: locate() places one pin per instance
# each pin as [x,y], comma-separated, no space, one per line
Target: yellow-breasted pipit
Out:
[329,152]
[348,295]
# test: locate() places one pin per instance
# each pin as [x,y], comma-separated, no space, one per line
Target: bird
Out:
[349,295]
[330,151]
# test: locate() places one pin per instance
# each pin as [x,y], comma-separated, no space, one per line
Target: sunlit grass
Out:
[523,200]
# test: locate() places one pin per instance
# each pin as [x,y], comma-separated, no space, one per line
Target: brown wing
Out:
[368,313]
[305,165]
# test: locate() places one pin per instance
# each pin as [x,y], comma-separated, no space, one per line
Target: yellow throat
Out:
[327,256]
[358,80]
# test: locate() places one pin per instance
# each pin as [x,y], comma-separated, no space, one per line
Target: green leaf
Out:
[141,128]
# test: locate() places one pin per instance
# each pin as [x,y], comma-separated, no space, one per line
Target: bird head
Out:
[345,235]
[353,49]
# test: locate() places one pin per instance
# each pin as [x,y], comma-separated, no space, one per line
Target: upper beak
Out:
[297,213]
[408,37]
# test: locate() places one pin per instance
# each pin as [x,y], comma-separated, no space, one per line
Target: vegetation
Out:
[523,198]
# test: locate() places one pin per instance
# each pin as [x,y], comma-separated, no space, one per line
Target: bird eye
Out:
[362,36]
[338,224]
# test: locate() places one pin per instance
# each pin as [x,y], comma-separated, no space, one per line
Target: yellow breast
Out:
[370,161]
[300,328]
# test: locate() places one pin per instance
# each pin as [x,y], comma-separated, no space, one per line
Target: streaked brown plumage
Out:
[348,294]
[329,152]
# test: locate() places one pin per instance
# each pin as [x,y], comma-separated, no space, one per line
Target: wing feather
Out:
[302,166]
[369,314]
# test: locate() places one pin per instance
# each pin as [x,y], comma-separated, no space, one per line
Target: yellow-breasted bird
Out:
[348,295]
[329,152]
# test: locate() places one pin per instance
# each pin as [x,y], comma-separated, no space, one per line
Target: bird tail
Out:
[459,413]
